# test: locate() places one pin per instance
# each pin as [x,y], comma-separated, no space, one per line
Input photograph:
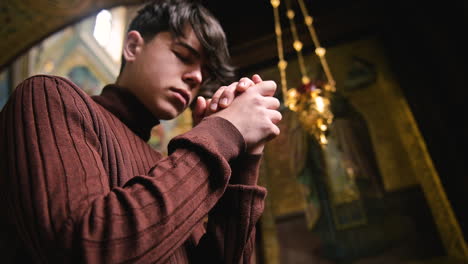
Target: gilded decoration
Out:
[400,151]
[270,244]
[405,153]
[283,159]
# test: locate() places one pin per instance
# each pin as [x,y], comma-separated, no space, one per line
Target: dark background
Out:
[425,45]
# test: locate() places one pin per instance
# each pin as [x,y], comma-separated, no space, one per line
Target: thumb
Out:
[256,78]
[199,110]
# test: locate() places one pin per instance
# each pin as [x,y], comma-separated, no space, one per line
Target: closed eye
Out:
[183,58]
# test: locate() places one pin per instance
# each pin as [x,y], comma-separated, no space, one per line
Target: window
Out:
[109,31]
[103,27]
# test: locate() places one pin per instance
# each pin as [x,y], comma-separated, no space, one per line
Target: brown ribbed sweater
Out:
[79,183]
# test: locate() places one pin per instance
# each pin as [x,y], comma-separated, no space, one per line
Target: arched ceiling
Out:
[25,23]
[248,23]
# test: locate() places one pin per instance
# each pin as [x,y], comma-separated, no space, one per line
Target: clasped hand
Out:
[249,105]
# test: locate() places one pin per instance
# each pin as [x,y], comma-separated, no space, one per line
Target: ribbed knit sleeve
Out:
[57,189]
[230,233]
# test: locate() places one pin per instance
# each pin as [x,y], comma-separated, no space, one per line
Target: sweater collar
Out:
[126,107]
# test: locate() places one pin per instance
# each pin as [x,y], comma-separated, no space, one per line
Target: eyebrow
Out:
[190,48]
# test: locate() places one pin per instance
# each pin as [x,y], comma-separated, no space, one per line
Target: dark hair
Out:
[173,16]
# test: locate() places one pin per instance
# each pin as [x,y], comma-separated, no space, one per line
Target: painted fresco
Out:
[25,23]
[85,79]
[369,202]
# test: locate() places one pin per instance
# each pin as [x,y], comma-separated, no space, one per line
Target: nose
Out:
[193,77]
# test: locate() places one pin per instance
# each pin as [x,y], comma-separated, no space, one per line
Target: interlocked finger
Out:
[233,90]
[271,102]
[275,116]
[266,88]
[244,84]
[213,106]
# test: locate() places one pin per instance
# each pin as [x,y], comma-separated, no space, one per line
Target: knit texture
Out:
[80,183]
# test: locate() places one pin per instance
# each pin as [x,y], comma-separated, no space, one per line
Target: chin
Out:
[168,114]
[165,110]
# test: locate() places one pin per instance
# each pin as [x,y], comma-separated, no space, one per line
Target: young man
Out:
[80,184]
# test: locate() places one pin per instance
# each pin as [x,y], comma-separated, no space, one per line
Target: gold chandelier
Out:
[312,99]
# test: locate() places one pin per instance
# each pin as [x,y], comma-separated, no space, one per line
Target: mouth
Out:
[182,95]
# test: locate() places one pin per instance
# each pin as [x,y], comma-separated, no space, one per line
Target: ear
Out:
[133,45]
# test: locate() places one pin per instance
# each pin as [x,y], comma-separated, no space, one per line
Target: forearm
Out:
[60,198]
[230,232]
[166,205]
[245,169]
[149,217]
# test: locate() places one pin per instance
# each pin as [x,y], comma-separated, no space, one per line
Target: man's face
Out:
[167,73]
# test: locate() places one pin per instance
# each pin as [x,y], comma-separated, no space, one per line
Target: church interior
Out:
[369,166]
